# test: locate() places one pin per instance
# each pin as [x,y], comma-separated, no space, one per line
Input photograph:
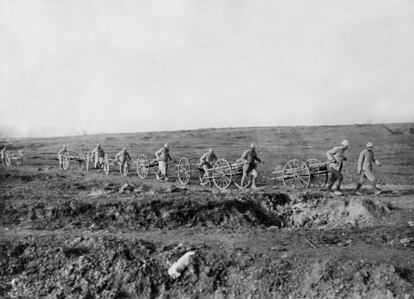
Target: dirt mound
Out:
[107,267]
[319,210]
[142,208]
[185,209]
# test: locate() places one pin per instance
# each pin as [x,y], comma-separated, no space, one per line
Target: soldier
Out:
[98,154]
[3,155]
[366,158]
[249,158]
[207,161]
[163,155]
[336,157]
[122,157]
[60,156]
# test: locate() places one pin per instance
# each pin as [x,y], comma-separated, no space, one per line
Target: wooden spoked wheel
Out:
[81,161]
[238,175]
[142,166]
[296,174]
[66,160]
[8,158]
[184,171]
[318,173]
[221,173]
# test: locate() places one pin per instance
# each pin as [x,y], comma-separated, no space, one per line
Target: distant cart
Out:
[17,157]
[222,174]
[145,166]
[73,158]
[107,163]
[89,162]
[303,174]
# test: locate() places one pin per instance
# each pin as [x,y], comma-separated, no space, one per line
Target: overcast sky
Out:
[128,66]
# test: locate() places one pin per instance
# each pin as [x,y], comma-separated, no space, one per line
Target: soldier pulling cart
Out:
[18,157]
[145,166]
[222,174]
[70,157]
[107,163]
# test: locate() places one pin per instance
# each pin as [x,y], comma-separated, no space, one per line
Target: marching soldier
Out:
[122,157]
[207,161]
[98,154]
[336,157]
[60,156]
[365,161]
[3,155]
[163,156]
[249,157]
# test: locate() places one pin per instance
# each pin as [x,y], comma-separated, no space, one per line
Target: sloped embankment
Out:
[157,210]
[107,267]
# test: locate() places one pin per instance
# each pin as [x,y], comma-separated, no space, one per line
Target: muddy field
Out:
[78,234]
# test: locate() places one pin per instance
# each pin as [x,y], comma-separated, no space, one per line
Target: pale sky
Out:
[130,66]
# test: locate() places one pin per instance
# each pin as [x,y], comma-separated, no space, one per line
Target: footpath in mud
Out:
[90,238]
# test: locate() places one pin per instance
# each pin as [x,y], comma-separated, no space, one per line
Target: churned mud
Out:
[71,235]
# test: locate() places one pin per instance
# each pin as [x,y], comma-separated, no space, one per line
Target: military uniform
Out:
[207,161]
[365,161]
[60,156]
[336,157]
[3,155]
[99,155]
[122,157]
[163,155]
[250,157]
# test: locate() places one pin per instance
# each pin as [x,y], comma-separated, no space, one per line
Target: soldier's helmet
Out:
[345,143]
[370,144]
[253,146]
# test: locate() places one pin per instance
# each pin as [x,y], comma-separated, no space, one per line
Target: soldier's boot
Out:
[358,186]
[330,184]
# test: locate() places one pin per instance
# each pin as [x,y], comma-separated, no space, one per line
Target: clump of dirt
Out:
[107,267]
[322,212]
[314,209]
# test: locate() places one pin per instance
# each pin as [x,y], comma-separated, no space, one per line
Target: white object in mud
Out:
[179,265]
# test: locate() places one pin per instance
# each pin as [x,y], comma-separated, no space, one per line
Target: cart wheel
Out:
[238,174]
[106,164]
[81,161]
[184,171]
[221,173]
[142,166]
[125,169]
[7,158]
[318,173]
[296,174]
[66,160]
